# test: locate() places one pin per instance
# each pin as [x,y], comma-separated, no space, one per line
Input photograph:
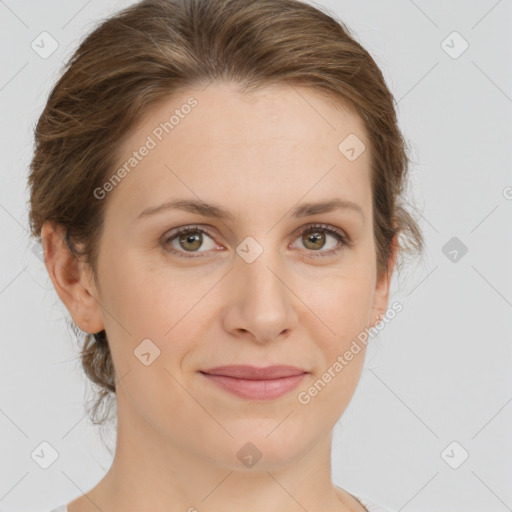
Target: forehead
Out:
[218,138]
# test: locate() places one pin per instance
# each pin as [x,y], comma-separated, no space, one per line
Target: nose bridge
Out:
[259,266]
[262,304]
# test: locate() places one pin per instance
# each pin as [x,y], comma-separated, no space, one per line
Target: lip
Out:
[254,383]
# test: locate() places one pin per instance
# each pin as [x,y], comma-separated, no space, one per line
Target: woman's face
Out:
[258,287]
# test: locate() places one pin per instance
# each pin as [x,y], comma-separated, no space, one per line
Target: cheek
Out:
[152,329]
[156,393]
[342,302]
[343,306]
[147,301]
[167,307]
[324,398]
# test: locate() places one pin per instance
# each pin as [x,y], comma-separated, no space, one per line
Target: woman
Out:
[216,185]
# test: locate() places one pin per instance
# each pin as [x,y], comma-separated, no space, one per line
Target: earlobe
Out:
[69,279]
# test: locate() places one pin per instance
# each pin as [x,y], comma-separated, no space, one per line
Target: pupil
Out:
[191,238]
[314,238]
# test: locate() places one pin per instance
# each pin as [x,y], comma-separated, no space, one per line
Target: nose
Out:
[260,304]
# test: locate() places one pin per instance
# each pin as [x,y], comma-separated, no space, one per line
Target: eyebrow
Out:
[219,212]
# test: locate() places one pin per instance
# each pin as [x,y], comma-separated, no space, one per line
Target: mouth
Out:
[254,383]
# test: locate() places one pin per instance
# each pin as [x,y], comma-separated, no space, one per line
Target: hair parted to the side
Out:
[144,54]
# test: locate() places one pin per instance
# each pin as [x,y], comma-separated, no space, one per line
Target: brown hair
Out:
[139,57]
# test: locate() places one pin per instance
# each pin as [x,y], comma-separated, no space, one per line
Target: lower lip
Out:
[257,389]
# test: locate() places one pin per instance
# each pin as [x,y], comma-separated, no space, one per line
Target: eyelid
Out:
[343,239]
[191,228]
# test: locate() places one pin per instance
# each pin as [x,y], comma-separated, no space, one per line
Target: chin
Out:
[260,448]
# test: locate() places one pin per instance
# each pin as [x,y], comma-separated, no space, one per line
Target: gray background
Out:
[439,372]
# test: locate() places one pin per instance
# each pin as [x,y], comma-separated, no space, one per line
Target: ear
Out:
[72,282]
[381,295]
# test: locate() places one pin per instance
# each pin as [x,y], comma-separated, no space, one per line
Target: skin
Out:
[178,435]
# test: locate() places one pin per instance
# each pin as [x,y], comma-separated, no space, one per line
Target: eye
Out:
[188,239]
[314,237]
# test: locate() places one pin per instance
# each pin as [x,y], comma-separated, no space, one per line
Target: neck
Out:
[151,472]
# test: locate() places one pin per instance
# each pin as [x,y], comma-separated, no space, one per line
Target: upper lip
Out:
[254,373]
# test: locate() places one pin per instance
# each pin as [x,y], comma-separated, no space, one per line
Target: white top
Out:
[371,507]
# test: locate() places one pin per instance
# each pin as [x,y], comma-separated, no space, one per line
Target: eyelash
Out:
[343,240]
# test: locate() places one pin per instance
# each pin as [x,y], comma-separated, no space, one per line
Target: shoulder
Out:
[62,508]
[350,499]
[370,506]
